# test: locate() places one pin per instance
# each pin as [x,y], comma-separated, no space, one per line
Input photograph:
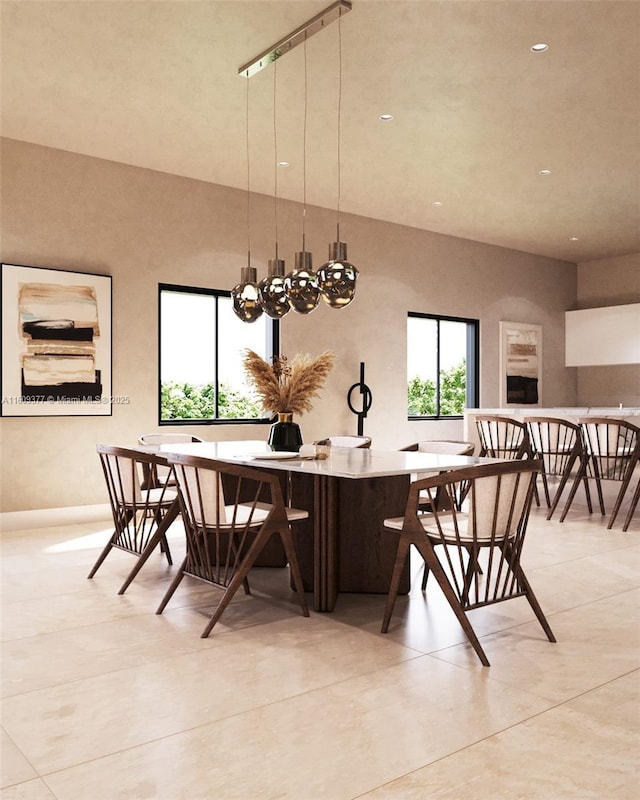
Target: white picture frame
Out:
[520,364]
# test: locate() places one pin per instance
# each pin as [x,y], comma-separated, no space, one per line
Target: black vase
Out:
[285,435]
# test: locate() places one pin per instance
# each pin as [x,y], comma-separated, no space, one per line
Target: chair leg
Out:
[623,489]
[174,585]
[588,494]
[159,536]
[632,507]
[425,577]
[537,610]
[582,474]
[545,486]
[120,524]
[164,548]
[434,564]
[105,552]
[240,577]
[561,486]
[164,544]
[401,557]
[473,566]
[596,475]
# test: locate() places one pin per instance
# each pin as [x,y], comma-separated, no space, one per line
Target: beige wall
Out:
[67,211]
[609,282]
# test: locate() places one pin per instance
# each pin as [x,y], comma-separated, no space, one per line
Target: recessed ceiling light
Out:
[283,163]
[385,117]
[540,48]
[573,238]
[436,203]
[544,172]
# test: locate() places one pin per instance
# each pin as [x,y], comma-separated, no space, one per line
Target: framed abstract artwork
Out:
[56,343]
[520,364]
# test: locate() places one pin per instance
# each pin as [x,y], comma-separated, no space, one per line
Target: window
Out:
[442,365]
[201,349]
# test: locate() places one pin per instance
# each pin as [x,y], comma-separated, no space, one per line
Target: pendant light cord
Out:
[339,116]
[275,153]
[304,149]
[248,180]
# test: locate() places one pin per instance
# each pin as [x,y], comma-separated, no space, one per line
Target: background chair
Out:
[557,443]
[611,453]
[161,474]
[454,543]
[502,437]
[347,441]
[141,516]
[446,446]
[632,507]
[167,438]
[226,530]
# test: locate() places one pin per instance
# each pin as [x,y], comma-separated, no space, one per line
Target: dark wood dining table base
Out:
[343,546]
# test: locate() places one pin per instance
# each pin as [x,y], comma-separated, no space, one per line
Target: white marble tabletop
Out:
[342,462]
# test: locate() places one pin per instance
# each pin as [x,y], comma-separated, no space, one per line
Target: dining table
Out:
[348,494]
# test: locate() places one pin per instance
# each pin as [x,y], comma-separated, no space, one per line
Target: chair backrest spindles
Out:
[613,446]
[557,442]
[122,474]
[502,437]
[203,494]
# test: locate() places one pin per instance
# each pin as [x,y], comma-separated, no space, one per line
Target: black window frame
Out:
[273,339]
[472,360]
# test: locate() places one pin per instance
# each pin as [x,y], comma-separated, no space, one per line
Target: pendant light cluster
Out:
[301,289]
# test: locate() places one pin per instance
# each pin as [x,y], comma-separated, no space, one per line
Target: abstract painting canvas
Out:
[56,342]
[520,364]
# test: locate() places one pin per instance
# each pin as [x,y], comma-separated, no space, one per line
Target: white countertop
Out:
[342,462]
[564,411]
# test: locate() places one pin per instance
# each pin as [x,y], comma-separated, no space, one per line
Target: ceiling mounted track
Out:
[293,39]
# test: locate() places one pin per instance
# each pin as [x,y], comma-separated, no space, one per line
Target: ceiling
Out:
[477,114]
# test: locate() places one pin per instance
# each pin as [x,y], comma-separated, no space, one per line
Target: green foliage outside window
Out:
[453,394]
[189,401]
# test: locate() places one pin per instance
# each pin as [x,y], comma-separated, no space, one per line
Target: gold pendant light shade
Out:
[246,302]
[337,278]
[272,291]
[302,285]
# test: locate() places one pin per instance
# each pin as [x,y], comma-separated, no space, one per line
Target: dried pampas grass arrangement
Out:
[288,386]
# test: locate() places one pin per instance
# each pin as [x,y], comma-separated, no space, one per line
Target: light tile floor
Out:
[104,700]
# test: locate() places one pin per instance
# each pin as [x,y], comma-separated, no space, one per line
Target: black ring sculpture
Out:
[367,399]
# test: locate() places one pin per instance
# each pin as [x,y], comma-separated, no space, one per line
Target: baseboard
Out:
[50,517]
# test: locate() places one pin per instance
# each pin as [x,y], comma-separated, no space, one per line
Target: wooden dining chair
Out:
[557,443]
[490,532]
[141,515]
[502,437]
[611,453]
[230,512]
